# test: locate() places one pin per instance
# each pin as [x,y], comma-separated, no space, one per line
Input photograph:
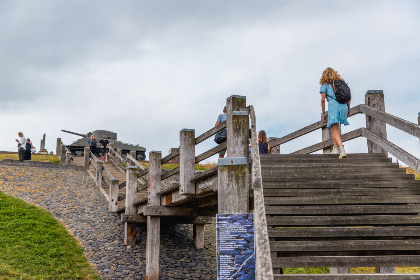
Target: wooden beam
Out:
[170,173]
[170,156]
[211,152]
[393,149]
[130,197]
[127,218]
[187,161]
[198,236]
[354,276]
[170,211]
[210,133]
[328,143]
[406,126]
[312,127]
[375,99]
[113,195]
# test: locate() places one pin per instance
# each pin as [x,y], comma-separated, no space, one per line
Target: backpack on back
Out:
[342,91]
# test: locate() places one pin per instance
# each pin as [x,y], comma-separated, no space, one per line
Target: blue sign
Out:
[235,247]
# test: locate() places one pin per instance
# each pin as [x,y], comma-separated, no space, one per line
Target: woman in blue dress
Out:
[337,113]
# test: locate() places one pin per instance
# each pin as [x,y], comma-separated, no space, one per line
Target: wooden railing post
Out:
[63,154]
[99,165]
[86,158]
[237,125]
[119,151]
[276,149]
[233,191]
[153,222]
[187,161]
[113,195]
[58,148]
[133,155]
[130,198]
[198,235]
[68,158]
[375,99]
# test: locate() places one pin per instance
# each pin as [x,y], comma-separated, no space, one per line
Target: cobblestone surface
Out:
[71,196]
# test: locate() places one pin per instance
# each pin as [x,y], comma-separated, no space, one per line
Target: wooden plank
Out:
[328,143]
[345,232]
[170,173]
[342,209]
[208,184]
[359,178]
[402,183]
[143,172]
[345,245]
[130,197]
[354,276]
[393,149]
[210,133]
[170,156]
[138,164]
[169,190]
[127,218]
[205,174]
[347,261]
[348,192]
[401,124]
[198,236]
[211,152]
[312,127]
[363,220]
[170,211]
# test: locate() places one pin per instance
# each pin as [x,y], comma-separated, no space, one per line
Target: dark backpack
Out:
[342,91]
[220,136]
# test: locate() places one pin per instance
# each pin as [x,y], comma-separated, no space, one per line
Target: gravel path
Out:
[71,197]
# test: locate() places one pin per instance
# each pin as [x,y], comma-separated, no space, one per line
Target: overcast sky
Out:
[147,69]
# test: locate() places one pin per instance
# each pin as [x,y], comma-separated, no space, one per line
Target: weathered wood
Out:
[143,172]
[63,154]
[206,185]
[58,148]
[170,156]
[347,261]
[99,166]
[170,211]
[153,222]
[385,145]
[345,232]
[130,197]
[170,173]
[233,186]
[208,173]
[187,161]
[113,195]
[68,158]
[332,200]
[344,245]
[211,152]
[135,162]
[354,276]
[387,270]
[363,220]
[210,133]
[86,161]
[375,99]
[339,270]
[308,129]
[198,236]
[328,143]
[237,127]
[342,209]
[406,126]
[264,269]
[275,149]
[126,218]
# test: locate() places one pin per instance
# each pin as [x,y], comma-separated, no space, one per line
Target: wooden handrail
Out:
[211,152]
[170,156]
[170,173]
[328,143]
[136,162]
[263,264]
[393,149]
[401,124]
[307,129]
[210,133]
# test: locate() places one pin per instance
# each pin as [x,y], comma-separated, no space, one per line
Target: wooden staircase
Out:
[361,211]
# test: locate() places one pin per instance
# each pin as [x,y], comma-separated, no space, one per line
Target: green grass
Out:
[46,158]
[33,245]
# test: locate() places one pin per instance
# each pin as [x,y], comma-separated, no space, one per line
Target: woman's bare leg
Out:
[335,131]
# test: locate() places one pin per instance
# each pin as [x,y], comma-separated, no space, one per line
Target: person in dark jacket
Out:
[263,146]
[92,143]
[28,147]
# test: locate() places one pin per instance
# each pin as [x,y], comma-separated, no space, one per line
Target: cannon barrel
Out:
[79,134]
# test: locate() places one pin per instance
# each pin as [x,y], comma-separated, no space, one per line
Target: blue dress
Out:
[337,113]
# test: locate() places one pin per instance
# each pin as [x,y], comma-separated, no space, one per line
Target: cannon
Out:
[77,147]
